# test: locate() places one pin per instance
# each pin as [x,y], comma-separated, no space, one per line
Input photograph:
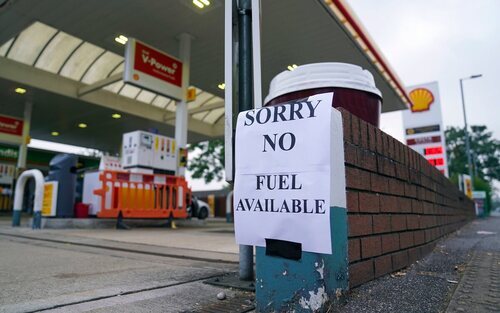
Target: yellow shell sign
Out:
[421,99]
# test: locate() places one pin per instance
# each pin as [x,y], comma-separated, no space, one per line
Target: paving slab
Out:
[41,275]
[460,275]
[479,287]
[215,241]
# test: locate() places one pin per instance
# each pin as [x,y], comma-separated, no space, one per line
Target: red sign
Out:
[433,150]
[157,64]
[423,140]
[11,126]
[436,162]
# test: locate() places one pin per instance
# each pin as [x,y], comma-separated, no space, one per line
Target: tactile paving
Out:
[479,288]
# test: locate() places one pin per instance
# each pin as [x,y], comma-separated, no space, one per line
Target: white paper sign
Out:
[283,173]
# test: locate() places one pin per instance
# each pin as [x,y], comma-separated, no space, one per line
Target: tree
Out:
[208,160]
[485,152]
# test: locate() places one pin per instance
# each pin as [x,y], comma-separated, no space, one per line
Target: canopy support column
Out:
[181,110]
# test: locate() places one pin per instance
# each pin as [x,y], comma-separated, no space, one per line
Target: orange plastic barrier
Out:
[138,195]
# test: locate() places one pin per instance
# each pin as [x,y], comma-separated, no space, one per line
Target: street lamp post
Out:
[467,143]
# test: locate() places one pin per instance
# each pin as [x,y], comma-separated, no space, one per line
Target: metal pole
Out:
[245,84]
[467,144]
[474,159]
[245,102]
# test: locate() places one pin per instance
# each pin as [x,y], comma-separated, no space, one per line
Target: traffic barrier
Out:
[137,195]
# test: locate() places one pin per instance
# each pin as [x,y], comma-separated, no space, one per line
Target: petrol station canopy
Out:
[57,49]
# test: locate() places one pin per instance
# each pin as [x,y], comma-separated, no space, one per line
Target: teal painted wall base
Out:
[16,218]
[37,220]
[309,284]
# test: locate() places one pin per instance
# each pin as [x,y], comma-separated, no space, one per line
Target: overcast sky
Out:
[441,40]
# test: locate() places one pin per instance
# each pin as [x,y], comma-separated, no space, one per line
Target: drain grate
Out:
[231,281]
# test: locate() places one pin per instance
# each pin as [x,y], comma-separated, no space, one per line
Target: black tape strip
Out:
[284,249]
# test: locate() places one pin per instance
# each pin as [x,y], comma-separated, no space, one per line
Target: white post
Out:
[229,207]
[228,91]
[257,79]
[38,201]
[181,110]
[23,148]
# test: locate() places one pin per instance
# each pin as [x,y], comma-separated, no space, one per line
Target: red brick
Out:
[352,201]
[413,221]
[404,205]
[410,190]
[385,142]
[379,183]
[360,225]
[360,272]
[428,235]
[350,153]
[399,260]
[369,202]
[396,187]
[372,137]
[346,122]
[430,195]
[398,222]
[391,151]
[427,221]
[355,130]
[381,223]
[390,243]
[371,246]
[428,208]
[419,237]
[363,133]
[354,250]
[413,255]
[389,204]
[357,179]
[402,172]
[397,151]
[414,177]
[417,206]
[402,148]
[386,166]
[367,160]
[383,265]
[406,240]
[380,144]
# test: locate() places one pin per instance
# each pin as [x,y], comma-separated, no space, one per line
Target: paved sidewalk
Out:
[462,274]
[69,271]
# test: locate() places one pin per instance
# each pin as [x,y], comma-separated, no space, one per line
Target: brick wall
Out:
[398,204]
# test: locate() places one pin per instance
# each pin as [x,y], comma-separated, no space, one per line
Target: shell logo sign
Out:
[421,99]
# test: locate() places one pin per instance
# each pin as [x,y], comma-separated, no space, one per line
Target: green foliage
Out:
[485,152]
[208,160]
